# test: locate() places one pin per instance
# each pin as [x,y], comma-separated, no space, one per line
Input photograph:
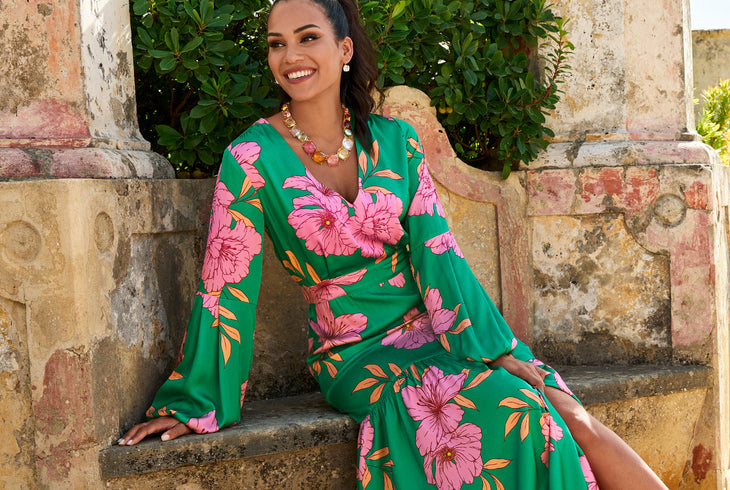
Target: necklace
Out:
[310,148]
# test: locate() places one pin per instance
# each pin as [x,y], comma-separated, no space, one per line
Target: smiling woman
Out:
[402,336]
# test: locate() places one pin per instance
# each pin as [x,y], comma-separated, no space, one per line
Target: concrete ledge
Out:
[268,426]
[307,421]
[604,384]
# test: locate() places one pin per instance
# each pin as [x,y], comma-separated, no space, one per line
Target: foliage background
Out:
[714,124]
[202,78]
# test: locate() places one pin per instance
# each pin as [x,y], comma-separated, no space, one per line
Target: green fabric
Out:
[400,329]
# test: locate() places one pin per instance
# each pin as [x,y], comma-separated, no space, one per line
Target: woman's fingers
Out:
[140,431]
[176,431]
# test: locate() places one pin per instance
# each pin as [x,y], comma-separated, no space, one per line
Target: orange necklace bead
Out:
[320,157]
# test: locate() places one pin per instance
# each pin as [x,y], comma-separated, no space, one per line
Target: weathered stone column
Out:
[67,99]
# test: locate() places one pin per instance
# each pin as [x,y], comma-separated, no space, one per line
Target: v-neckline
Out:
[309,175]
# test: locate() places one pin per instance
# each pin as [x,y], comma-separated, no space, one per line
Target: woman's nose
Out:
[293,54]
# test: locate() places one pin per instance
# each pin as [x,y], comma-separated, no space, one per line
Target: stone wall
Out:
[710,59]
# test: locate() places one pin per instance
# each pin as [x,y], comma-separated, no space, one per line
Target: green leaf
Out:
[191,45]
[168,64]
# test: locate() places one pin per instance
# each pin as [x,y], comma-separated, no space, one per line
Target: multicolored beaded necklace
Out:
[310,148]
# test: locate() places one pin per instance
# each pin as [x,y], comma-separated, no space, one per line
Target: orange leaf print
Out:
[380,453]
[388,463]
[485,483]
[317,368]
[382,257]
[376,370]
[331,369]
[256,202]
[530,394]
[372,189]
[386,173]
[415,372]
[511,422]
[387,484]
[398,384]
[238,294]
[513,402]
[232,332]
[226,348]
[226,313]
[445,342]
[366,478]
[464,402]
[175,375]
[294,262]
[238,216]
[215,323]
[375,395]
[525,427]
[394,261]
[313,274]
[395,369]
[366,383]
[245,187]
[375,154]
[496,464]
[334,356]
[478,379]
[362,160]
[498,483]
[463,324]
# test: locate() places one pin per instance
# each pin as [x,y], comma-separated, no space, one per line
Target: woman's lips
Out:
[299,74]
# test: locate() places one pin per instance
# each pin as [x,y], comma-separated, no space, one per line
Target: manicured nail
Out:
[120,442]
[165,437]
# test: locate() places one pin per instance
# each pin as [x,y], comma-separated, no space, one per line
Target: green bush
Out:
[201,72]
[714,124]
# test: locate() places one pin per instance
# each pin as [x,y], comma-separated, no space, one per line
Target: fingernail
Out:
[165,437]
[120,442]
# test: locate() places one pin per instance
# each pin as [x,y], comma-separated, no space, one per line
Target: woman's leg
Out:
[614,463]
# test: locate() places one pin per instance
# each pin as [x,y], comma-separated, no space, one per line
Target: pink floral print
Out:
[330,288]
[398,281]
[318,192]
[415,331]
[376,222]
[457,458]
[588,473]
[219,215]
[246,154]
[333,331]
[210,302]
[441,318]
[206,423]
[324,230]
[552,432]
[364,445]
[444,242]
[228,255]
[429,404]
[558,379]
[425,199]
[243,391]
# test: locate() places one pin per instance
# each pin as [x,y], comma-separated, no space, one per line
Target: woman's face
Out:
[305,56]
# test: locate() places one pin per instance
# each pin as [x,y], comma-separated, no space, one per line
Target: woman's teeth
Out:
[299,74]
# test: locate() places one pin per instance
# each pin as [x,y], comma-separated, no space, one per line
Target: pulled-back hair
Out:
[357,85]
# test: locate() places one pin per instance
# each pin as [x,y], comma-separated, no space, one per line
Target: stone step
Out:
[304,426]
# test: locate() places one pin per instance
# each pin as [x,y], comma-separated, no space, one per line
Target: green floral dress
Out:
[400,329]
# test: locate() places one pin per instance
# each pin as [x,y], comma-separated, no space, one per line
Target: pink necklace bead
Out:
[348,143]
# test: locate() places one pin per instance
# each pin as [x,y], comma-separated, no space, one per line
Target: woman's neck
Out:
[317,117]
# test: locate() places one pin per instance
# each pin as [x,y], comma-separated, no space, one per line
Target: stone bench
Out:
[301,442]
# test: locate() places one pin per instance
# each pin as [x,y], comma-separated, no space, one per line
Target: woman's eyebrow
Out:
[297,30]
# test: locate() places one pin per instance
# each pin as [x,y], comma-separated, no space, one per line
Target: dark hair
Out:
[357,85]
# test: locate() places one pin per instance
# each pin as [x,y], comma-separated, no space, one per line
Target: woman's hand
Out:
[523,370]
[170,427]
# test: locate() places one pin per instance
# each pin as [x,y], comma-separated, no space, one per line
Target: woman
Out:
[402,335]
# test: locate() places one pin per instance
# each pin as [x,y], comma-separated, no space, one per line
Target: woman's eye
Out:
[310,37]
[275,44]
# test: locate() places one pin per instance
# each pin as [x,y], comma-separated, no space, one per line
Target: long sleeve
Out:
[464,318]
[206,389]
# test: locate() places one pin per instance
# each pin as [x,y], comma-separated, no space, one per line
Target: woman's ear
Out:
[347,50]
